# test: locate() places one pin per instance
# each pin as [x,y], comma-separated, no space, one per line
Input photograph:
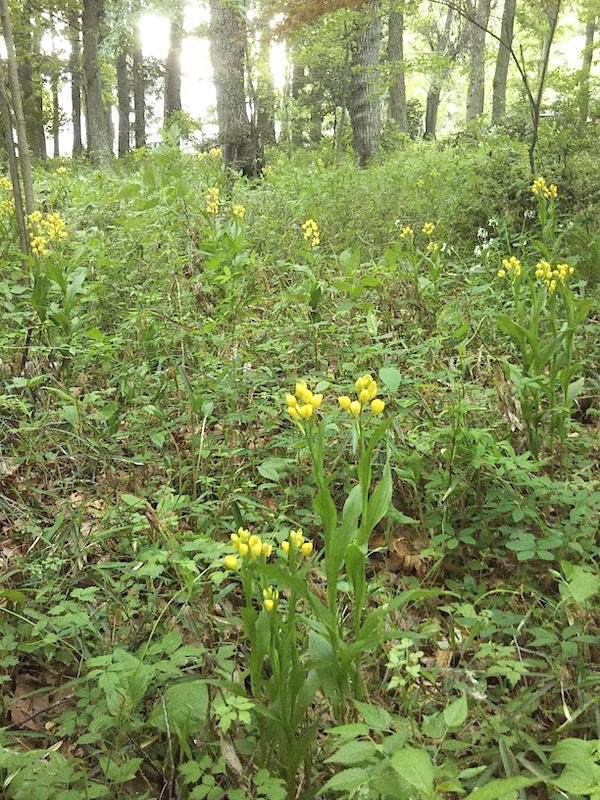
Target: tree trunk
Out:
[316,124]
[55,117]
[27,41]
[173,70]
[13,165]
[99,139]
[227,54]
[553,12]
[298,83]
[15,91]
[75,70]
[503,61]
[124,101]
[398,110]
[476,90]
[365,106]
[586,69]
[139,92]
[265,116]
[431,111]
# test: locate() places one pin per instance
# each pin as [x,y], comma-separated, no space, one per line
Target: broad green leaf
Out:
[415,767]
[456,713]
[119,773]
[353,753]
[503,788]
[376,717]
[347,780]
[391,378]
[185,707]
[378,505]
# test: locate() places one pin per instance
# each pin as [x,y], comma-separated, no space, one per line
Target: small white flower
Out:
[477,251]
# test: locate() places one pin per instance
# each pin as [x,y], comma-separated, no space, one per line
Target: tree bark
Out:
[298,83]
[75,70]
[15,91]
[173,70]
[99,138]
[431,111]
[553,12]
[398,110]
[316,124]
[227,53]
[55,117]
[503,61]
[139,91]
[265,116]
[586,69]
[124,101]
[365,105]
[476,90]
[13,165]
[27,42]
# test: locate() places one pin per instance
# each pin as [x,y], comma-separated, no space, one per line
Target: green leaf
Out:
[583,584]
[391,378]
[456,713]
[378,505]
[503,788]
[353,753]
[274,469]
[376,717]
[415,767]
[119,773]
[574,390]
[185,707]
[347,780]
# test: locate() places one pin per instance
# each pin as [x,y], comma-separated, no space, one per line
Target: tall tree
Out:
[265,87]
[98,126]
[365,102]
[123,99]
[17,105]
[28,35]
[172,98]
[503,60]
[398,109]
[13,167]
[227,54]
[445,37]
[586,67]
[74,35]
[139,82]
[476,89]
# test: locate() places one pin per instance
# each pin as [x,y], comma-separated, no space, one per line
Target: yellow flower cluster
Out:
[433,247]
[54,226]
[540,188]
[552,277]
[5,185]
[296,543]
[238,211]
[302,404]
[510,266]
[61,171]
[248,546]
[212,200]
[311,232]
[366,391]
[270,598]
[46,229]
[428,229]
[215,152]
[7,208]
[406,232]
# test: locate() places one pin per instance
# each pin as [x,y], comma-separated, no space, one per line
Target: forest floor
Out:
[431,633]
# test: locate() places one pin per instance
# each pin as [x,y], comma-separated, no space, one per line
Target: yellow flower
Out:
[306,395]
[364,396]
[212,200]
[306,411]
[270,598]
[306,549]
[294,413]
[377,406]
[243,549]
[433,247]
[291,400]
[372,389]
[231,562]
[285,546]
[238,211]
[406,232]
[256,549]
[428,229]
[511,265]
[267,549]
[268,604]
[501,273]
[300,387]
[316,401]
[355,408]
[344,402]
[311,232]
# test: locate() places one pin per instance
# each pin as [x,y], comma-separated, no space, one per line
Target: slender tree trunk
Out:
[586,69]
[503,61]
[265,87]
[316,124]
[431,111]
[139,92]
[37,103]
[553,14]
[227,53]
[15,91]
[365,105]
[398,110]
[476,90]
[27,41]
[55,117]
[99,138]
[75,70]
[298,83]
[173,70]
[124,101]
[13,165]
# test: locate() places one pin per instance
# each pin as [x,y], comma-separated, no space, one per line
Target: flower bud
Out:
[377,406]
[269,605]
[344,402]
[316,401]
[285,546]
[291,400]
[231,562]
[294,413]
[306,549]
[306,411]
[364,396]
[243,549]
[355,408]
